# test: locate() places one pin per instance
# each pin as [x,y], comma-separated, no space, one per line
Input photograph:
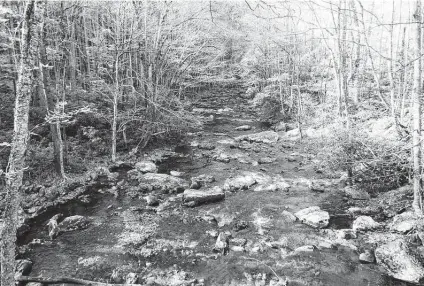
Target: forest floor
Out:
[267,178]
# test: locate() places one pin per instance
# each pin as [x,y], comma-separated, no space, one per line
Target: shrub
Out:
[373,165]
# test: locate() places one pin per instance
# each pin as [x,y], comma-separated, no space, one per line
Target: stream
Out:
[176,242]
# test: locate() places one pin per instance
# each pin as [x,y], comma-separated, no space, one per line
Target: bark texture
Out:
[416,112]
[16,165]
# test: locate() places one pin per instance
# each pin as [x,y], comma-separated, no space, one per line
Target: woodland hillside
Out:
[255,142]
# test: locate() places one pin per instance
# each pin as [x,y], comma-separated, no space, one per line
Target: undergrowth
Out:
[373,165]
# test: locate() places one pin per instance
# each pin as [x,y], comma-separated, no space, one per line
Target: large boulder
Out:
[101,174]
[75,222]
[146,167]
[163,182]
[400,262]
[314,216]
[197,197]
[275,185]
[242,182]
[356,194]
[365,223]
[405,222]
[261,137]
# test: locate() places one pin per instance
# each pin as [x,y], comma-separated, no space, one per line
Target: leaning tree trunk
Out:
[416,113]
[16,165]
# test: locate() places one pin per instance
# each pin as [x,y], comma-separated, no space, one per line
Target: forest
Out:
[211,142]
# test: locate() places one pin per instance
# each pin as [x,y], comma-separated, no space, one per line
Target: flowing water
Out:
[179,240]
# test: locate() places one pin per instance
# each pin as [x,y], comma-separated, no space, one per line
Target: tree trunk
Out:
[390,67]
[87,54]
[356,74]
[49,104]
[416,112]
[404,78]
[115,108]
[16,165]
[72,57]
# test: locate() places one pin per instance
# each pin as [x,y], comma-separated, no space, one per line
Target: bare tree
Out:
[34,12]
[416,112]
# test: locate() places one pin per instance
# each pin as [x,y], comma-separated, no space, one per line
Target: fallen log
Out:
[65,280]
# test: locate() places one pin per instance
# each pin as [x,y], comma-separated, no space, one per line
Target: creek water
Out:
[180,240]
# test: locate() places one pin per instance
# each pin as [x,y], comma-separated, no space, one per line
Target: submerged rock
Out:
[280,126]
[200,181]
[163,182]
[416,238]
[346,234]
[23,267]
[222,157]
[197,197]
[152,201]
[367,257]
[132,278]
[206,146]
[240,225]
[243,128]
[242,182]
[213,233]
[239,241]
[365,223]
[261,137]
[53,227]
[288,216]
[222,244]
[237,248]
[293,133]
[305,248]
[313,216]
[275,185]
[266,160]
[176,173]
[400,262]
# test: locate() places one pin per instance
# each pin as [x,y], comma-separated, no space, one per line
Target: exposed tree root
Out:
[64,280]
